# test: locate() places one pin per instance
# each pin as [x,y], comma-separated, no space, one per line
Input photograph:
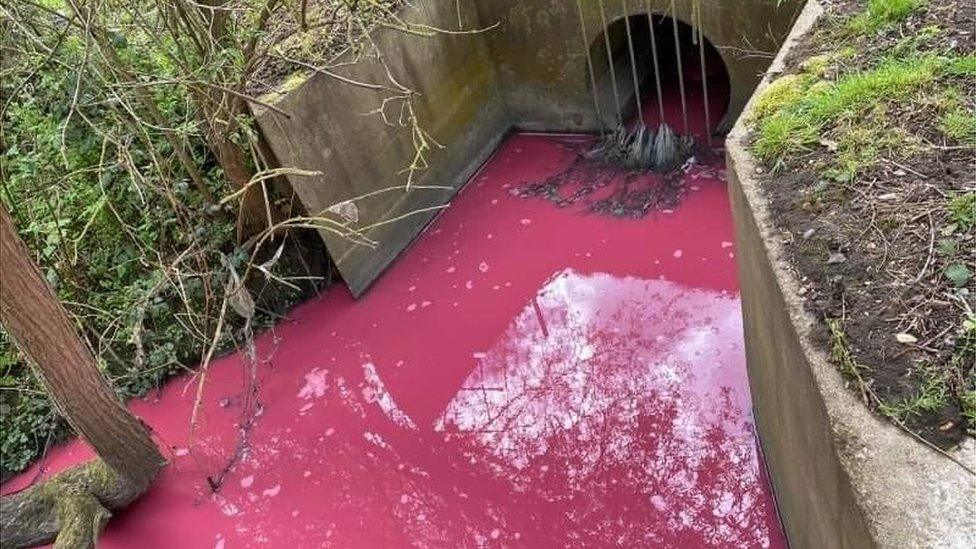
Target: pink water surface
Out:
[524,376]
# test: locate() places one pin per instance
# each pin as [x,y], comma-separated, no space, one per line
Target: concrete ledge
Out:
[842,477]
[527,73]
[333,128]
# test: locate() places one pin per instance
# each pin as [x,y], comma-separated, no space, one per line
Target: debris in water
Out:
[643,149]
[607,189]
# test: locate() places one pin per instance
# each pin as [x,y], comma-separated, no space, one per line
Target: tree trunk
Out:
[39,324]
[252,217]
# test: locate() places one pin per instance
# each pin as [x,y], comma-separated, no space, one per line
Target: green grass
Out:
[961,65]
[959,125]
[793,116]
[964,358]
[962,210]
[932,395]
[884,13]
[861,143]
[872,92]
[796,111]
[968,401]
[840,353]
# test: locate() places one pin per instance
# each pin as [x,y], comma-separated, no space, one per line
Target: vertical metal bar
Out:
[681,74]
[613,72]
[704,73]
[633,62]
[657,68]
[589,66]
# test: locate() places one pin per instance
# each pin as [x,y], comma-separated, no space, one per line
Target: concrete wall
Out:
[541,57]
[329,130]
[842,477]
[529,72]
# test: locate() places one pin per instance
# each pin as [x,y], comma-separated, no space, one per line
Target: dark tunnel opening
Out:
[673,49]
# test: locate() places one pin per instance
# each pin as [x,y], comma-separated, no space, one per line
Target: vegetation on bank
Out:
[135,175]
[869,144]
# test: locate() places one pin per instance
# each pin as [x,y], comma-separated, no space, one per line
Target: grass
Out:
[861,144]
[968,402]
[931,396]
[798,110]
[884,13]
[964,358]
[878,94]
[962,210]
[840,353]
[959,125]
[792,116]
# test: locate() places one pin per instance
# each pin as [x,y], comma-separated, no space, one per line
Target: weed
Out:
[932,395]
[911,44]
[959,125]
[963,360]
[861,144]
[962,210]
[963,66]
[780,94]
[793,115]
[884,13]
[840,354]
[968,401]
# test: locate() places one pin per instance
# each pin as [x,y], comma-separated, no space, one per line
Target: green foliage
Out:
[884,13]
[958,274]
[855,104]
[28,420]
[932,394]
[111,116]
[798,113]
[964,360]
[959,125]
[962,210]
[840,353]
[780,94]
[961,65]
[106,209]
[782,133]
[968,401]
[861,145]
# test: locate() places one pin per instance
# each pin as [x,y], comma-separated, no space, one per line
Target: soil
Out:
[868,252]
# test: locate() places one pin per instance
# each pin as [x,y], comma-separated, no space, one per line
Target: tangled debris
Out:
[615,188]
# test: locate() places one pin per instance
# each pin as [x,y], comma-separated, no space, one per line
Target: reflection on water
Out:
[526,376]
[621,403]
[613,411]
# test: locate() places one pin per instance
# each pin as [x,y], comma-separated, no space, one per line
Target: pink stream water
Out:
[524,376]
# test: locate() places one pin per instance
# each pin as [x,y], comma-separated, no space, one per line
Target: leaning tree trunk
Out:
[71,507]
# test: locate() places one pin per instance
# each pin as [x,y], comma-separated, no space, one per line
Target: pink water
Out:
[525,375]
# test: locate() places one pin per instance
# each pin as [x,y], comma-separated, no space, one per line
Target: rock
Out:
[907,339]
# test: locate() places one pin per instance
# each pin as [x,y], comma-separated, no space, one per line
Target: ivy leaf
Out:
[958,274]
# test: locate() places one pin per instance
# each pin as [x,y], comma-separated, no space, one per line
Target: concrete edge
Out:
[357,155]
[824,448]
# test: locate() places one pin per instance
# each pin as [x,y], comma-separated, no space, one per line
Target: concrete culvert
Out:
[668,61]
